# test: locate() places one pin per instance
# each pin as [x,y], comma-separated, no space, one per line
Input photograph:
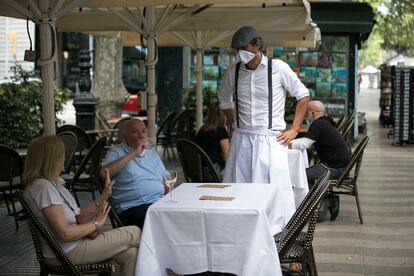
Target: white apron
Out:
[255,156]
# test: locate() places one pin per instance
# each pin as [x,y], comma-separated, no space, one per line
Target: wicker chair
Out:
[183,125]
[347,182]
[348,121]
[196,164]
[293,244]
[84,178]
[11,169]
[71,144]
[341,122]
[106,128]
[39,230]
[84,141]
[102,122]
[164,135]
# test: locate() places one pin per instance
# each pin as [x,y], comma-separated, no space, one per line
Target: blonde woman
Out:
[78,231]
[213,137]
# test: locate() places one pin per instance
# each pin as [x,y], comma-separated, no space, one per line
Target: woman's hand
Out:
[102,214]
[108,185]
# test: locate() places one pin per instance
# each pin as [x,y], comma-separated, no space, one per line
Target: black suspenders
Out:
[236,84]
[269,85]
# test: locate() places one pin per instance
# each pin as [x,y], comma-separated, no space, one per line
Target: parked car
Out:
[135,105]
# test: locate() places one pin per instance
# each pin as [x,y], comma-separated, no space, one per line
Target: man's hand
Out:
[287,136]
[139,147]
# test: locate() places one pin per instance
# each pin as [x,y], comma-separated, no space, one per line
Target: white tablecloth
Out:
[298,162]
[195,235]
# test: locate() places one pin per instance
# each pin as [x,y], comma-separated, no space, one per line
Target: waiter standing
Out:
[252,96]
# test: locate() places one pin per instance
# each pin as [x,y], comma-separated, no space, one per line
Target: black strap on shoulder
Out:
[270,87]
[236,81]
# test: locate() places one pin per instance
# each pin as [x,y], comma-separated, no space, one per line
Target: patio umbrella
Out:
[197,26]
[156,18]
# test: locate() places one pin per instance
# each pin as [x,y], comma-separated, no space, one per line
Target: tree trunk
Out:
[107,80]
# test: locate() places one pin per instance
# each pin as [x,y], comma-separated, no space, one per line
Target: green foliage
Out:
[21,108]
[189,97]
[395,24]
[372,52]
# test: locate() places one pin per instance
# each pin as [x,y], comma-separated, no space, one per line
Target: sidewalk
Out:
[384,244]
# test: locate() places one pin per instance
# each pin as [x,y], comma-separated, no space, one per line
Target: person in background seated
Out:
[330,147]
[213,138]
[139,174]
[76,230]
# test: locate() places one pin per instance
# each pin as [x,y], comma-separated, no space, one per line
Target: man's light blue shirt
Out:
[139,182]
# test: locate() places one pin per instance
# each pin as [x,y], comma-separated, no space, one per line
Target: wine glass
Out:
[170,182]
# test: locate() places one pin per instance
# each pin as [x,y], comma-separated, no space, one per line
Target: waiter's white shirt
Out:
[253,94]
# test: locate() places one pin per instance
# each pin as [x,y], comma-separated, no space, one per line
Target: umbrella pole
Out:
[46,62]
[151,62]
[199,90]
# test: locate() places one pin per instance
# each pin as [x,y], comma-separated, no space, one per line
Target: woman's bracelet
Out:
[96,224]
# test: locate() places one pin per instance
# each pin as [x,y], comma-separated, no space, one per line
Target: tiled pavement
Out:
[383,245]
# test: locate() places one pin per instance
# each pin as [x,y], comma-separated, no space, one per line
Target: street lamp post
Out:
[85,102]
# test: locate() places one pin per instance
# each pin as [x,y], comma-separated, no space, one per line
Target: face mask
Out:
[309,121]
[246,56]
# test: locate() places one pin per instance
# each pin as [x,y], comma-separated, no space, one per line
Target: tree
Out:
[107,81]
[21,108]
[395,24]
[372,51]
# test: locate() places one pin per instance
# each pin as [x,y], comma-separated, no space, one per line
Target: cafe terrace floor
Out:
[383,245]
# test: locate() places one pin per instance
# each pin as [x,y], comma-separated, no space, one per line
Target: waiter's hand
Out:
[287,136]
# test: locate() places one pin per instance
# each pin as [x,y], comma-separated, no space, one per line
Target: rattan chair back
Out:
[164,134]
[70,141]
[196,164]
[302,215]
[347,181]
[84,141]
[84,178]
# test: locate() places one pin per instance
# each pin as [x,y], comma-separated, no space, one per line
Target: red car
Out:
[135,105]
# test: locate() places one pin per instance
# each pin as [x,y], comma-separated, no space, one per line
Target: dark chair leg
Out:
[358,204]
[14,213]
[172,150]
[168,153]
[312,262]
[43,272]
[6,202]
[75,196]
[92,190]
[163,150]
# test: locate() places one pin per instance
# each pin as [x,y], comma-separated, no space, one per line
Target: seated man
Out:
[330,147]
[138,173]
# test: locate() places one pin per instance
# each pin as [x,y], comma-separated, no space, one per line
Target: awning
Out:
[152,18]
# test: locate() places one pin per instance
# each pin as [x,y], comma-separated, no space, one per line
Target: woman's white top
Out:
[41,194]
